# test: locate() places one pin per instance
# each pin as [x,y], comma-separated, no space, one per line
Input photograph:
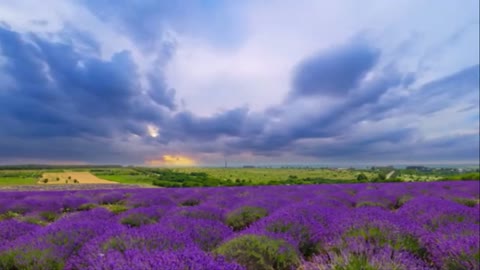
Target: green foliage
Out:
[190,202]
[401,201]
[412,245]
[464,176]
[18,177]
[9,215]
[461,261]
[257,252]
[362,177]
[114,243]
[368,203]
[49,216]
[30,259]
[116,208]
[354,262]
[467,202]
[381,177]
[372,235]
[34,220]
[306,245]
[381,237]
[169,178]
[242,217]
[137,220]
[87,206]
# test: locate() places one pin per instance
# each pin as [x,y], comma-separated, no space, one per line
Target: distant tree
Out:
[380,177]
[362,177]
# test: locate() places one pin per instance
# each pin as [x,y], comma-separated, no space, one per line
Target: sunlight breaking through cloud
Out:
[171,160]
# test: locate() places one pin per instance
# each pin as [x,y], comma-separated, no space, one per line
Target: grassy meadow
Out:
[19,177]
[196,176]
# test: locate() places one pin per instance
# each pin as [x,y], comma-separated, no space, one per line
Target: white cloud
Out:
[414,36]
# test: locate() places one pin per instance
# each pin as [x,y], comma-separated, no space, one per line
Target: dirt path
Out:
[389,174]
[72,178]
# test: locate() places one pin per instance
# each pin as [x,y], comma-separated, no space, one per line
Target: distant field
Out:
[72,178]
[129,179]
[185,177]
[18,181]
[19,177]
[265,175]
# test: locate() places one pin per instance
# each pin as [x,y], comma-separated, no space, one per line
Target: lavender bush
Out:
[339,226]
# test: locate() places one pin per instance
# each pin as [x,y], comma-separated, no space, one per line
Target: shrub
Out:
[362,177]
[86,206]
[467,202]
[306,245]
[9,215]
[49,216]
[190,202]
[244,216]
[257,252]
[380,237]
[137,220]
[31,259]
[116,208]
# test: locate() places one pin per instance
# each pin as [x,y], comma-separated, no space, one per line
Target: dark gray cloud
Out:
[51,89]
[236,122]
[361,124]
[336,71]
[61,100]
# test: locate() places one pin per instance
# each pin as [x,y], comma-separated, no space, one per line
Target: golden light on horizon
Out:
[172,160]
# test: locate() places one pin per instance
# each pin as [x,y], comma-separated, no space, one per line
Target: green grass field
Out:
[265,175]
[253,175]
[19,177]
[7,181]
[223,176]
[128,179]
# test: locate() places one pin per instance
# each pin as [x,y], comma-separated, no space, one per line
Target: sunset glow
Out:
[172,160]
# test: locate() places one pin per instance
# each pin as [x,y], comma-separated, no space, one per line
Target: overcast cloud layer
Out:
[353,82]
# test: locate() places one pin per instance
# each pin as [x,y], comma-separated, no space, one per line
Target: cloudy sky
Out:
[271,82]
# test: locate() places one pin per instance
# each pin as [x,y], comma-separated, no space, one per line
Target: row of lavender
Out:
[346,226]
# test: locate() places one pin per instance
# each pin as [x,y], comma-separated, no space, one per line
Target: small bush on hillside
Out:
[362,177]
[244,216]
[137,220]
[467,202]
[257,252]
[86,206]
[190,202]
[116,208]
[306,245]
[49,216]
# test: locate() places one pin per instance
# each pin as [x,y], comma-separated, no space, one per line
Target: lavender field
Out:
[345,226]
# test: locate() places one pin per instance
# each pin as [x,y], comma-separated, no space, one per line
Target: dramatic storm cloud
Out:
[335,71]
[159,82]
